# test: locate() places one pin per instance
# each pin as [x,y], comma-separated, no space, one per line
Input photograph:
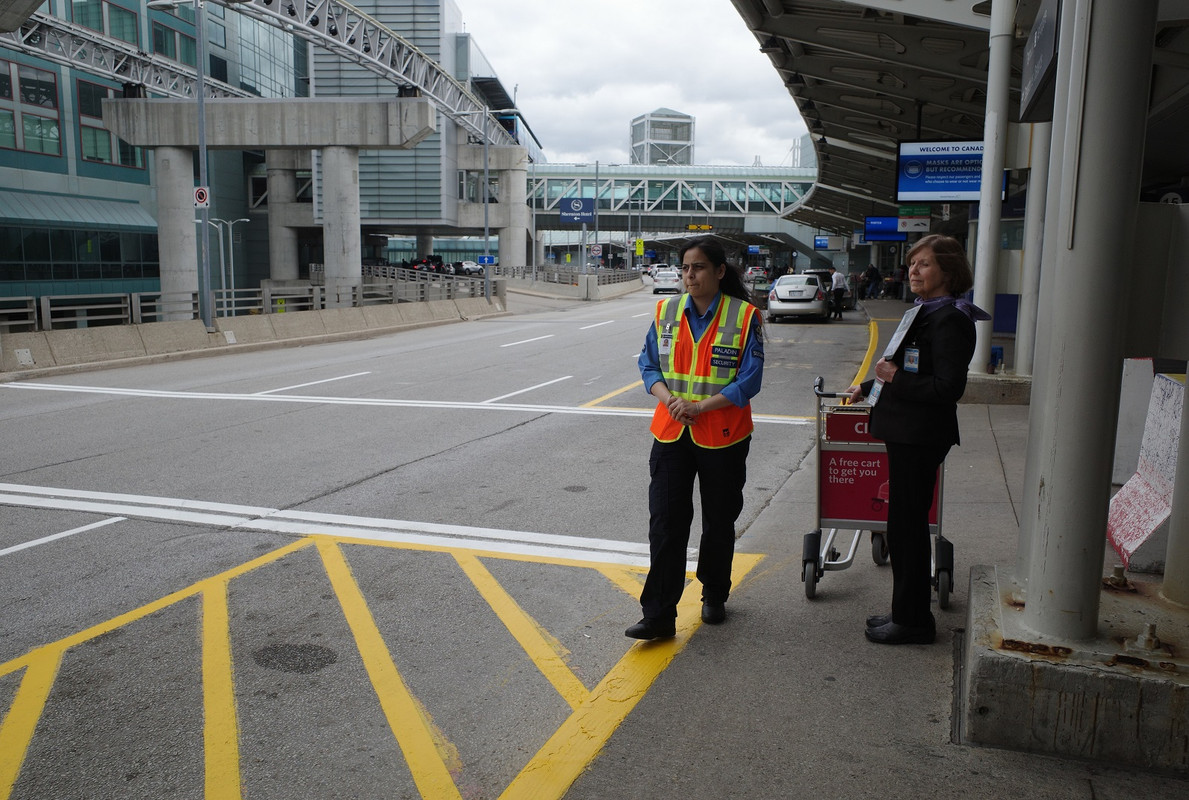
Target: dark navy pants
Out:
[720,474]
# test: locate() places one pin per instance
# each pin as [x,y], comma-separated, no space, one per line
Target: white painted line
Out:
[646,314]
[526,341]
[313,383]
[61,535]
[603,411]
[596,325]
[304,523]
[529,389]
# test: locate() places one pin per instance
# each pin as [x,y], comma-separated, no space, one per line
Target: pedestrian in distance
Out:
[914,398]
[703,360]
[873,282]
[838,289]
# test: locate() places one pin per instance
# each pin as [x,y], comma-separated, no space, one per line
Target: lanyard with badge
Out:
[912,356]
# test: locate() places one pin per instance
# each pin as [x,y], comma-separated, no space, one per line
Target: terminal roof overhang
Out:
[865,75]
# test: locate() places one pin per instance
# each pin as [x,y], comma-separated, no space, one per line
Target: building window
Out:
[39,87]
[8,129]
[95,141]
[41,135]
[174,45]
[29,116]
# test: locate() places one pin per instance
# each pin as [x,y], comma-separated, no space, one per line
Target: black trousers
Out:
[912,476]
[839,294]
[721,474]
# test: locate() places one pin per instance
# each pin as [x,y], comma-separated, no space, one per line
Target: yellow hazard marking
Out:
[609,395]
[872,340]
[432,760]
[220,734]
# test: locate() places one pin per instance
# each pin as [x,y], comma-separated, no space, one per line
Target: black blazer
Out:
[922,407]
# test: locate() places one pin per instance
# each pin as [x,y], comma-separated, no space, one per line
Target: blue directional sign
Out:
[486,260]
[576,209]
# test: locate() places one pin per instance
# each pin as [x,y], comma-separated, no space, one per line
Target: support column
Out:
[1034,218]
[341,237]
[424,245]
[1108,95]
[514,201]
[281,168]
[1176,563]
[990,206]
[177,235]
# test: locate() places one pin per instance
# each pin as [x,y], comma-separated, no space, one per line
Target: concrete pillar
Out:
[424,244]
[1042,407]
[986,262]
[1034,218]
[1176,563]
[341,238]
[177,235]
[1107,113]
[283,258]
[514,207]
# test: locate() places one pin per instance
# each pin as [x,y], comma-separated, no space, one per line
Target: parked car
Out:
[848,299]
[798,296]
[756,273]
[666,280]
[467,268]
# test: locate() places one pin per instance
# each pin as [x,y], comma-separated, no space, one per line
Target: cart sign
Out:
[854,490]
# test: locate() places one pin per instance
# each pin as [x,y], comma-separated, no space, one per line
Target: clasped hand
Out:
[682,410]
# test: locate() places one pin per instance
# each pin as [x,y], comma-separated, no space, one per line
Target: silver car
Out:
[798,296]
[666,280]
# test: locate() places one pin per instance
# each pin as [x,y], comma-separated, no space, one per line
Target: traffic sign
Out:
[639,247]
[484,260]
[576,209]
[596,249]
[700,227]
[202,197]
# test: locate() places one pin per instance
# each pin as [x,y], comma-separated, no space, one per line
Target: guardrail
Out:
[568,275]
[385,285]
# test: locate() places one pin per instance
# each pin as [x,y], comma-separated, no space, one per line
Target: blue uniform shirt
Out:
[751,367]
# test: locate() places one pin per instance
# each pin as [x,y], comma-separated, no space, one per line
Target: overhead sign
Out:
[939,172]
[700,227]
[829,243]
[753,249]
[577,209]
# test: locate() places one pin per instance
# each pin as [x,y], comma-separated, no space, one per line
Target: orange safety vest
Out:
[701,369]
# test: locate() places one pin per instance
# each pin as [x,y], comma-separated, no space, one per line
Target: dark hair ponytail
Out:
[732,279]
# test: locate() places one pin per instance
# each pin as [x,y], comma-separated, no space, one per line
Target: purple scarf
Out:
[975,313]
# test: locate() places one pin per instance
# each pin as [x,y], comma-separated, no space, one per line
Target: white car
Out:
[467,268]
[666,280]
[798,296]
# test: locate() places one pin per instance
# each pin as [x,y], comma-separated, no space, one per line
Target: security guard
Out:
[703,360]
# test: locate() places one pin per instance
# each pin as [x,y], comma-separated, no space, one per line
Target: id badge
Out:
[912,359]
[873,398]
[663,344]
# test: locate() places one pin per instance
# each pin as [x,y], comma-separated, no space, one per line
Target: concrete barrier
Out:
[23,351]
[296,324]
[342,320]
[1137,524]
[85,345]
[173,337]
[251,329]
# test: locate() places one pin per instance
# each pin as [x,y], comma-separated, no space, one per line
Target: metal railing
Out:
[383,285]
[568,275]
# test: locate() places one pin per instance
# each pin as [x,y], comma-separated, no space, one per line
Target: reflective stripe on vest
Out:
[698,370]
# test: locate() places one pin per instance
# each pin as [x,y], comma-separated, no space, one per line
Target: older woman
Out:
[914,399]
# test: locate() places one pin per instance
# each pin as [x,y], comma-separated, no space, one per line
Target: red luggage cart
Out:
[852,494]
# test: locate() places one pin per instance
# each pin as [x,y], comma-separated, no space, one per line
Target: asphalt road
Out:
[398,567]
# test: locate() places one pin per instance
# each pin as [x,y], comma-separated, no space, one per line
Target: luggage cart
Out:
[852,494]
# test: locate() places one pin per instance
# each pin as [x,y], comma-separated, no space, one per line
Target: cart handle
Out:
[817,389]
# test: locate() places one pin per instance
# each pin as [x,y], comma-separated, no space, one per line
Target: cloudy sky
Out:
[585,68]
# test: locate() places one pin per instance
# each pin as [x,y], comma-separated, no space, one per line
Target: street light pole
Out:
[486,200]
[228,285]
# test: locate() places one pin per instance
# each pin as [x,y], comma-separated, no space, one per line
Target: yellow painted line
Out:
[575,744]
[542,647]
[627,579]
[417,741]
[151,608]
[609,395]
[16,730]
[220,734]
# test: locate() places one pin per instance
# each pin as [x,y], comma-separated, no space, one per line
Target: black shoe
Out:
[713,613]
[879,619]
[648,629]
[892,633]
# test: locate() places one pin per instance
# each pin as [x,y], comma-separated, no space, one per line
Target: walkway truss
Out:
[334,26]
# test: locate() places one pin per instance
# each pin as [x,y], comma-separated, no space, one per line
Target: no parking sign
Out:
[202,197]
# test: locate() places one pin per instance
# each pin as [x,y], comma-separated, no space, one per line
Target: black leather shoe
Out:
[891,633]
[714,613]
[648,629]
[879,619]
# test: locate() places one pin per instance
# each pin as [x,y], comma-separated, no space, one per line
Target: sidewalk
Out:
[787,699]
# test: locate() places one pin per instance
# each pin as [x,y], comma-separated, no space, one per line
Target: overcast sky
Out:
[586,68]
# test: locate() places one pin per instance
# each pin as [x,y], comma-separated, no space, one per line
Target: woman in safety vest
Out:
[703,360]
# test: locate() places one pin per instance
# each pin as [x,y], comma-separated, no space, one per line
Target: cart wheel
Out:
[879,548]
[809,575]
[945,582]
